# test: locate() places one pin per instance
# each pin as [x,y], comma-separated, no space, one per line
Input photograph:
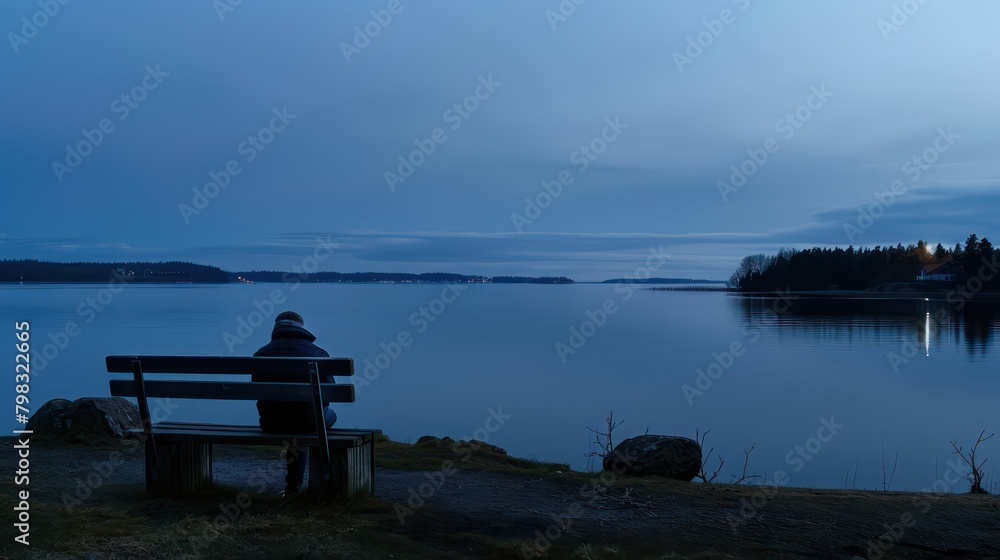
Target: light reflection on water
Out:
[968,329]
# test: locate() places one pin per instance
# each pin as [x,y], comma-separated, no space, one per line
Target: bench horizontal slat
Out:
[178,426]
[219,434]
[228,390]
[231,365]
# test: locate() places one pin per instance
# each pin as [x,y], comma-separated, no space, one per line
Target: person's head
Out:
[289,317]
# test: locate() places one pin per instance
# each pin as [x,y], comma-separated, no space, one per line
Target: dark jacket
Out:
[288,339]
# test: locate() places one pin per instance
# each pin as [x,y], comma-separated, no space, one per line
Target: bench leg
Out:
[353,471]
[316,482]
[183,467]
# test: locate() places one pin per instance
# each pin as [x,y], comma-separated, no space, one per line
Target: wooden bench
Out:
[179,454]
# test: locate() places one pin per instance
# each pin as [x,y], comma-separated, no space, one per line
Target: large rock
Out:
[670,456]
[85,419]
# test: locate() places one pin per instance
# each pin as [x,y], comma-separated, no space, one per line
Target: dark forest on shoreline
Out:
[973,266]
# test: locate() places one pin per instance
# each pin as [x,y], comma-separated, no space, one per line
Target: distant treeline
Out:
[429,277]
[275,276]
[661,281]
[40,271]
[173,272]
[974,264]
[529,280]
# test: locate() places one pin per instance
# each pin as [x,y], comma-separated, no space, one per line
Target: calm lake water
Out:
[903,376]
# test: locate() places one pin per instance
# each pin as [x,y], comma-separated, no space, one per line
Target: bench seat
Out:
[253,435]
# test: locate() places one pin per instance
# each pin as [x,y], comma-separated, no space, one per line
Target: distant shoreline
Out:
[952,296]
[687,286]
[181,272]
[28,271]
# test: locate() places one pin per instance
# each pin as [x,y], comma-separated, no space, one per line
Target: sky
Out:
[574,138]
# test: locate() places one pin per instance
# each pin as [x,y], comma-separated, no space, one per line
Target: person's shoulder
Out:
[317,351]
[292,347]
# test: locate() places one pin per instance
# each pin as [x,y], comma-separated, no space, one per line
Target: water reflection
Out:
[928,325]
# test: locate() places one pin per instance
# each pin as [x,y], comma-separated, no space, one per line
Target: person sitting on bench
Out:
[289,338]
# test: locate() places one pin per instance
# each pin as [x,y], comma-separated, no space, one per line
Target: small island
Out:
[687,281]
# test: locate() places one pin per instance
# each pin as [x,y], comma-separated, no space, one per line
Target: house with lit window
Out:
[941,272]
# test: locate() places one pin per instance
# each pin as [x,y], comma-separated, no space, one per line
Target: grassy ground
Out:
[429,453]
[477,503]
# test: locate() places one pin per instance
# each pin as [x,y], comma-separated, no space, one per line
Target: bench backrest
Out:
[230,390]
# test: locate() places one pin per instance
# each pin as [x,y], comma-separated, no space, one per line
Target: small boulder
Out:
[669,456]
[460,446]
[85,419]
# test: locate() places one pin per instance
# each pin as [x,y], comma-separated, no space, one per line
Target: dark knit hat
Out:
[290,317]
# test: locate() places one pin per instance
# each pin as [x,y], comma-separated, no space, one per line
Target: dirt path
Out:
[797,523]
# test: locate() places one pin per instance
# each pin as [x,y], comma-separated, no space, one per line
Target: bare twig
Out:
[715,473]
[704,476]
[892,475]
[746,459]
[975,477]
[887,483]
[606,446]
